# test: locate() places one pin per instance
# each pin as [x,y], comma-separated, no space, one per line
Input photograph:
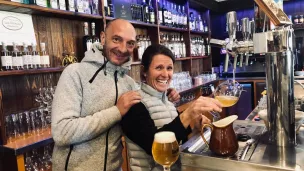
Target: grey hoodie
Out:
[83,112]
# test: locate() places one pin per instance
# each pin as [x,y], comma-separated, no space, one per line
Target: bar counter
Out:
[260,155]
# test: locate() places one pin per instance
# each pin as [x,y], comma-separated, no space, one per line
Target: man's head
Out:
[119,41]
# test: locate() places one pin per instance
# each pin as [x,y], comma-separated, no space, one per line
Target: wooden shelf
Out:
[35,9]
[31,71]
[298,26]
[21,146]
[199,32]
[173,29]
[136,23]
[199,57]
[183,58]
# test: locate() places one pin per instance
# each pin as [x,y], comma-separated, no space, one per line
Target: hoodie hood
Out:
[96,57]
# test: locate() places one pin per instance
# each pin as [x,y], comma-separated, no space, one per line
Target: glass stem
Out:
[166,168]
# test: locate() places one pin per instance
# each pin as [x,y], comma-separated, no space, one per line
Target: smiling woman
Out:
[155,113]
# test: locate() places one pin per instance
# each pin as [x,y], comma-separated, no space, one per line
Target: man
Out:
[90,100]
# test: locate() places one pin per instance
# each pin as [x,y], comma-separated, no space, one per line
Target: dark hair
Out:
[149,54]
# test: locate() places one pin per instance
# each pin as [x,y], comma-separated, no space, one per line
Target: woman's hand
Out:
[198,107]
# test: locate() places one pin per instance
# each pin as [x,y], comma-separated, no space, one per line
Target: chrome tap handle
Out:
[232,23]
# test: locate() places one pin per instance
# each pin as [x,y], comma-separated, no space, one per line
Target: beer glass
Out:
[165,149]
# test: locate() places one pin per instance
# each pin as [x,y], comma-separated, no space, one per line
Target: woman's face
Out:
[160,72]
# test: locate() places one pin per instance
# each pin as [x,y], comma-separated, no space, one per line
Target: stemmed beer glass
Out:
[165,149]
[228,94]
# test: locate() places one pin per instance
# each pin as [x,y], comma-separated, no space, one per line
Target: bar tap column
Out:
[280,88]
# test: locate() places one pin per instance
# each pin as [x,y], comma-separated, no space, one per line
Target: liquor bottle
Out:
[185,18]
[111,8]
[94,37]
[44,3]
[87,40]
[94,7]
[200,23]
[106,8]
[62,5]
[165,16]
[173,15]
[179,16]
[205,26]
[44,57]
[54,4]
[80,5]
[145,11]
[6,58]
[197,24]
[151,13]
[169,15]
[35,57]
[27,57]
[71,5]
[183,46]
[160,13]
[17,58]
[191,21]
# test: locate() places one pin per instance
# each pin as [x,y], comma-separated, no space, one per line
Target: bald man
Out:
[90,100]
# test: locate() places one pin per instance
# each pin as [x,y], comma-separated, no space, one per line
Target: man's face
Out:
[119,42]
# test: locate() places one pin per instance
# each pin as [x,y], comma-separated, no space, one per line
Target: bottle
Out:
[35,57]
[94,7]
[179,17]
[145,11]
[94,37]
[54,4]
[17,58]
[62,5]
[6,58]
[44,3]
[80,5]
[169,15]
[160,13]
[208,47]
[191,21]
[106,8]
[87,40]
[27,57]
[71,5]
[151,13]
[44,57]
[200,23]
[111,8]
[185,18]
[165,16]
[206,26]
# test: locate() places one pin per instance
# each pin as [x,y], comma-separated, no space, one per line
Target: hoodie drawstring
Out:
[94,76]
[107,137]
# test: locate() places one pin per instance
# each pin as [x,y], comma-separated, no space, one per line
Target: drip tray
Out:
[196,145]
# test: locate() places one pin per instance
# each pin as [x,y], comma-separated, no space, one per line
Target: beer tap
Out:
[250,42]
[245,33]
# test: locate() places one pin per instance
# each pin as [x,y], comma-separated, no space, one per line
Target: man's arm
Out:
[67,125]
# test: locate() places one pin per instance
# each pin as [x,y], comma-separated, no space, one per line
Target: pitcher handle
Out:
[202,132]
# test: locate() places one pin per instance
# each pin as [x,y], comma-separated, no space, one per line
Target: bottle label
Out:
[89,45]
[27,59]
[46,60]
[6,60]
[36,60]
[62,5]
[17,61]
[80,5]
[54,4]
[41,3]
[160,16]
[152,17]
[71,5]
[185,20]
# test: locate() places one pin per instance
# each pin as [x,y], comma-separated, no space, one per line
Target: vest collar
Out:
[151,91]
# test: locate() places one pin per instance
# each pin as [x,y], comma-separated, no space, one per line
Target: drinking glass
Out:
[165,149]
[227,93]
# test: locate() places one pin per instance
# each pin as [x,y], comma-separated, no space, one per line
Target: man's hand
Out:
[200,121]
[127,100]
[173,95]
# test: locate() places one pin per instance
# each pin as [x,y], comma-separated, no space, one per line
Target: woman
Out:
[155,113]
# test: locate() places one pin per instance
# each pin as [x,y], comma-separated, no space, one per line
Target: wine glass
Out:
[228,94]
[165,149]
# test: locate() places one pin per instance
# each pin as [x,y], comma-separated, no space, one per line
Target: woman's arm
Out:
[139,127]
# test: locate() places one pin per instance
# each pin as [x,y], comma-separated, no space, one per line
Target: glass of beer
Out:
[228,93]
[165,149]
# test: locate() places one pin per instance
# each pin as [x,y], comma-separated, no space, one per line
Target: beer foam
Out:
[164,137]
[226,121]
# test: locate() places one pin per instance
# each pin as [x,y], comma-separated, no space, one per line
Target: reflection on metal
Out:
[280,87]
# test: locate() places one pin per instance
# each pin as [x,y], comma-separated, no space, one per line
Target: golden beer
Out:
[165,149]
[227,101]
